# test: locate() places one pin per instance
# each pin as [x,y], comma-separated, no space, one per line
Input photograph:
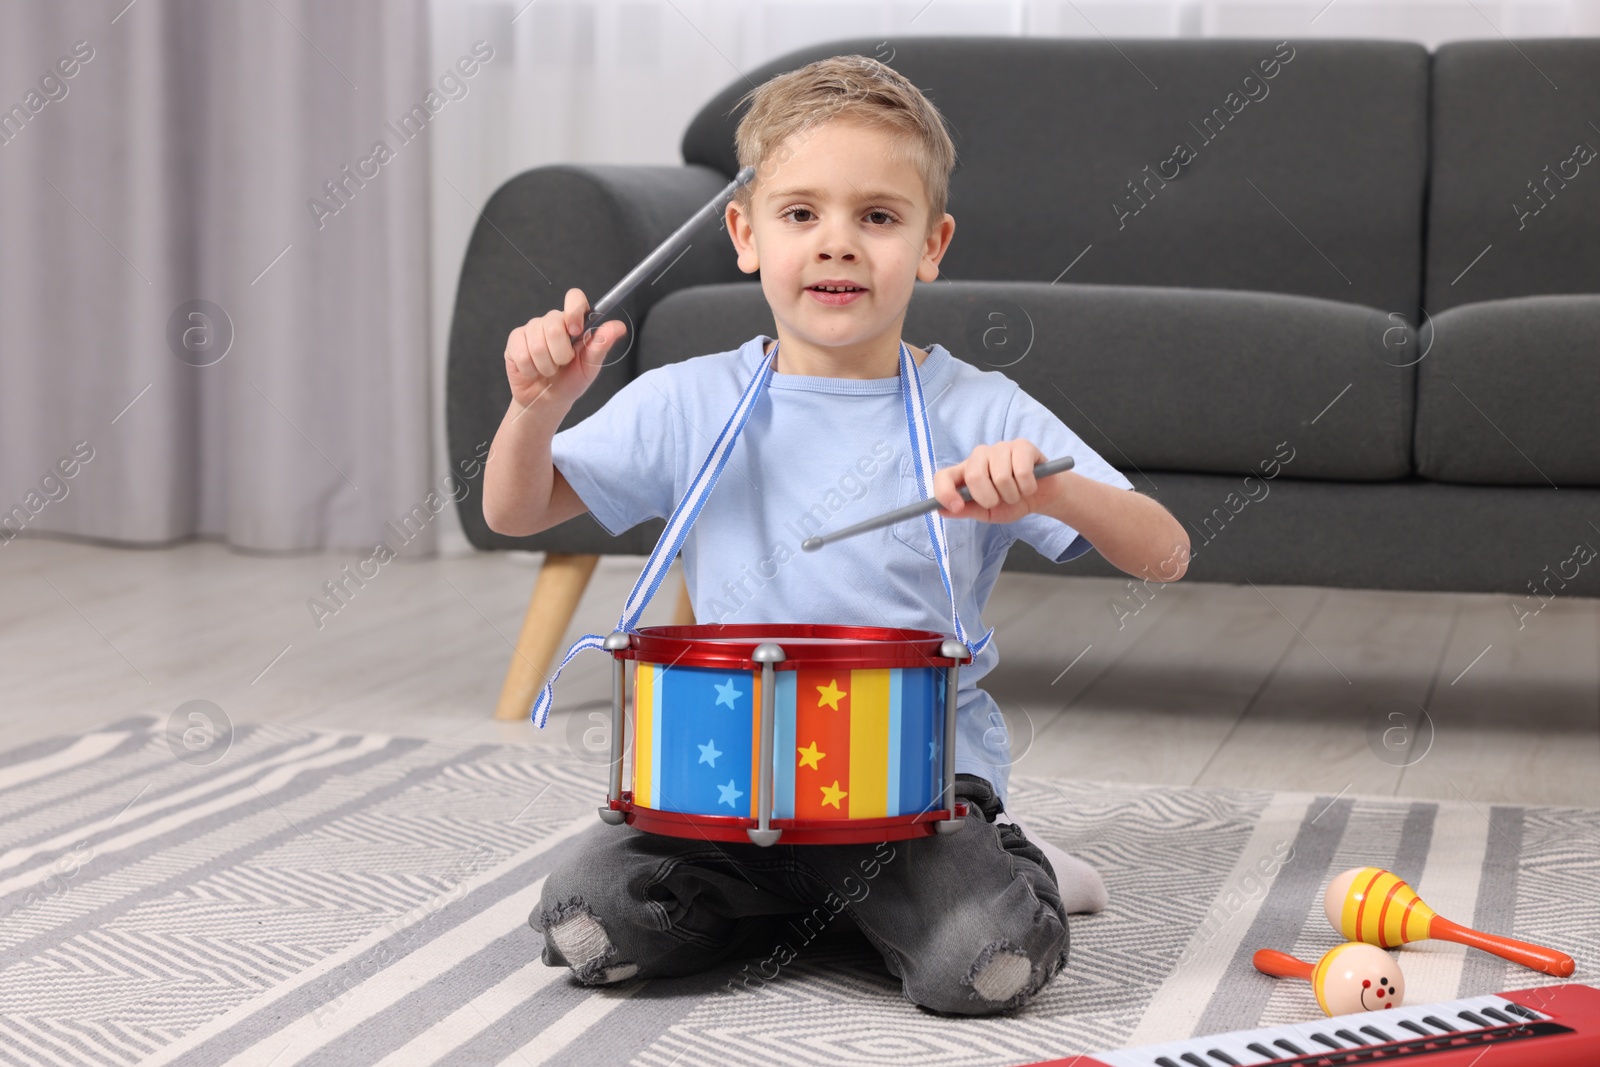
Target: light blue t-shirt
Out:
[820,454]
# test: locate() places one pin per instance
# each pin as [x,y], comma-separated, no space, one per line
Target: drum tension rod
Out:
[956,651]
[767,653]
[612,813]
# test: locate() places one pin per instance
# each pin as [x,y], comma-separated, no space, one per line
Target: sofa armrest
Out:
[541,233]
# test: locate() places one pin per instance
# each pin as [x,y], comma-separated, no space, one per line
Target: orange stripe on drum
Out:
[822,737]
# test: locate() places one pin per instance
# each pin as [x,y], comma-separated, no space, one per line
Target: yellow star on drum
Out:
[829,694]
[809,756]
[832,794]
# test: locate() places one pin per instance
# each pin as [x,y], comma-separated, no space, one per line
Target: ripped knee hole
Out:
[583,942]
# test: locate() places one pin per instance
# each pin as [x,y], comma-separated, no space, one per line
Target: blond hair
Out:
[853,87]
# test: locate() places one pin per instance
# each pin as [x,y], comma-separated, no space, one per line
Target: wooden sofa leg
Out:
[555,598]
[684,615]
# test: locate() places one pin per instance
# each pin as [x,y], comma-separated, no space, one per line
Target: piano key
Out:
[1347,1039]
[1474,1018]
[1517,1009]
[1375,1032]
[1203,1052]
[1435,1021]
[1290,1039]
[1163,1055]
[1238,1048]
[1417,1028]
[1251,1047]
[1317,1035]
[1216,1050]
[1497,1015]
[1495,1001]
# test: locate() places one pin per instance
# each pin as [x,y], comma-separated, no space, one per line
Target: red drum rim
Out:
[795,831]
[805,644]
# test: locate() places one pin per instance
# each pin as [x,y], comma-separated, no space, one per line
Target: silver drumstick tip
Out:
[811,544]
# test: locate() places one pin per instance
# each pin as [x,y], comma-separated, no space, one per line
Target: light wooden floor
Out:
[1281,687]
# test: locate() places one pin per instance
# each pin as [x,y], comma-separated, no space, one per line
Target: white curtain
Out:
[175,163]
[224,151]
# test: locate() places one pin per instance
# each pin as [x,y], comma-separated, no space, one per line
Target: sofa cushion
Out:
[1509,392]
[1303,170]
[1183,379]
[1529,543]
[1514,200]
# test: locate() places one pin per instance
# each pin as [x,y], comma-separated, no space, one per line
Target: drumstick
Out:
[889,518]
[1377,906]
[665,252]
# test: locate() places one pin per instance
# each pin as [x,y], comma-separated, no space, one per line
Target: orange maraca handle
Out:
[1281,964]
[1536,957]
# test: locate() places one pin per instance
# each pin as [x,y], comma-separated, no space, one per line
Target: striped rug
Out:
[327,898]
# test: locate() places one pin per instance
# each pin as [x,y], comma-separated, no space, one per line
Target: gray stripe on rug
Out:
[414,1012]
[250,1030]
[651,1012]
[1238,1000]
[37,750]
[92,813]
[1416,838]
[305,782]
[49,746]
[1496,911]
[116,797]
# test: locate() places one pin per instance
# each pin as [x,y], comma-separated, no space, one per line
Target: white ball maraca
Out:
[1351,977]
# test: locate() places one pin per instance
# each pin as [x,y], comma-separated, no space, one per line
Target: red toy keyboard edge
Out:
[1573,1004]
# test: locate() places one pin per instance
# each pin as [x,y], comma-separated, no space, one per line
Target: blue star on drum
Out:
[701,733]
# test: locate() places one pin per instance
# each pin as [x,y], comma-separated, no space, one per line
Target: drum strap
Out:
[688,509]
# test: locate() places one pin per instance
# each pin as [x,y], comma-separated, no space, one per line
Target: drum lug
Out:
[958,652]
[615,642]
[766,654]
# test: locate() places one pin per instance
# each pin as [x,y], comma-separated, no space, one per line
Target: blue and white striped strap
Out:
[922,455]
[671,539]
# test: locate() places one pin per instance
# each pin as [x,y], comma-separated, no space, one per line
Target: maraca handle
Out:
[1535,957]
[1281,964]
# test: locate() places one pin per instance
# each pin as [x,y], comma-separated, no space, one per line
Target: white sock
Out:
[1081,887]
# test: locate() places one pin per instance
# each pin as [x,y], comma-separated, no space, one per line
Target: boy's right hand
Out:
[541,356]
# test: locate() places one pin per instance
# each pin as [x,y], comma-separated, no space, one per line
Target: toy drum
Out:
[812,733]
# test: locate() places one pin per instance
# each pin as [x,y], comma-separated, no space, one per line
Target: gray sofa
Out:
[1342,337]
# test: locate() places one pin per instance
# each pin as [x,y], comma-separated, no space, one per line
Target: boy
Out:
[853,166]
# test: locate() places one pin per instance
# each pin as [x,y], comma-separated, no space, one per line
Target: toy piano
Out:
[1556,1026]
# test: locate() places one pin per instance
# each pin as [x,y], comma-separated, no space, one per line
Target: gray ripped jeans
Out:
[970,922]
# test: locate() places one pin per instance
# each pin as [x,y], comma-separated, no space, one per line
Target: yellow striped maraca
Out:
[1376,906]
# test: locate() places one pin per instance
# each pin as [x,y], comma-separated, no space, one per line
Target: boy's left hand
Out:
[1000,478]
